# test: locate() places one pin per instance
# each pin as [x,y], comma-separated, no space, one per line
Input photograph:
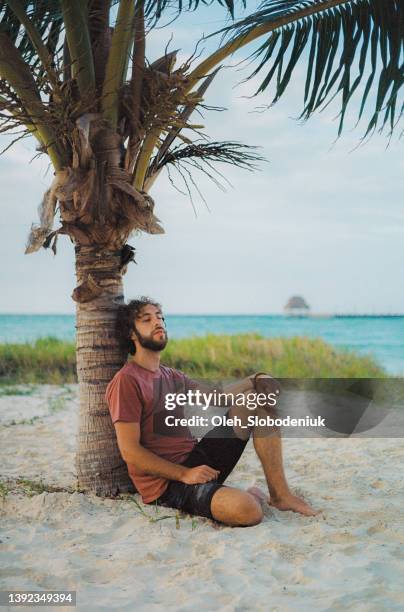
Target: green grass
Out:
[238,356]
[29,487]
[52,361]
[48,360]
[30,421]
[4,490]
[25,391]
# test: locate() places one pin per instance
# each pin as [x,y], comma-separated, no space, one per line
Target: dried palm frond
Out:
[96,199]
[39,233]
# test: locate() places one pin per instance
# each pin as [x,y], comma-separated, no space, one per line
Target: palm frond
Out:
[24,98]
[203,156]
[228,152]
[183,118]
[116,68]
[155,9]
[42,14]
[344,43]
[79,43]
[100,35]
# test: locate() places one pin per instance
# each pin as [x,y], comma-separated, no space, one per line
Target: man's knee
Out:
[258,426]
[237,508]
[250,511]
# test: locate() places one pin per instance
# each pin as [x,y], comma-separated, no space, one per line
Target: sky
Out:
[321,218]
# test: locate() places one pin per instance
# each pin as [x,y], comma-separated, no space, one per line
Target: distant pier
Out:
[326,315]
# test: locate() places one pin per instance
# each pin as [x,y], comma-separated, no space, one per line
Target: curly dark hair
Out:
[127,315]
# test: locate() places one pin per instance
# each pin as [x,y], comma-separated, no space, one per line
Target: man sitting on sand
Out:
[177,470]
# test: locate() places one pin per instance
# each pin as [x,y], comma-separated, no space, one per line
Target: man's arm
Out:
[128,436]
[267,384]
[240,386]
[255,382]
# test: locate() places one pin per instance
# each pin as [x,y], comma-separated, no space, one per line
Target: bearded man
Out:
[177,470]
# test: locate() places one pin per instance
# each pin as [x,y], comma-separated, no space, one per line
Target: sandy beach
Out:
[117,556]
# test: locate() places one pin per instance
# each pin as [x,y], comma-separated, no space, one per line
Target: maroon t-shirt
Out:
[136,395]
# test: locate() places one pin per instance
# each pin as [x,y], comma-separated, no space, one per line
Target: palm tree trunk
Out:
[99,294]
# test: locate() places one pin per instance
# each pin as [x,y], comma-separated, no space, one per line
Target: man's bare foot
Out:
[293,503]
[258,494]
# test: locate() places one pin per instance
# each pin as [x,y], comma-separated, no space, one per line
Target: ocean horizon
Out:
[381,336]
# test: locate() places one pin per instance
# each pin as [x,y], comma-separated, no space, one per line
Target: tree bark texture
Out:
[99,465]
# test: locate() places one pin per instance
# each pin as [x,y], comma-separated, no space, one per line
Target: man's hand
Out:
[199,475]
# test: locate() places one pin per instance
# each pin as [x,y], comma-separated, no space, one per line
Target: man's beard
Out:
[149,343]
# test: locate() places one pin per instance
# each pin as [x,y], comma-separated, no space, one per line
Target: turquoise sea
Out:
[381,336]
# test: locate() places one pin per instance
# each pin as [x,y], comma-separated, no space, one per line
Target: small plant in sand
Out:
[29,487]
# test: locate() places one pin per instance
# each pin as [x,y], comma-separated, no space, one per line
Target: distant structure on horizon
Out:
[296,306]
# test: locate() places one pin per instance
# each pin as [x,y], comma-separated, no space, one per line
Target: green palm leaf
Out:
[46,18]
[43,13]
[348,46]
[156,8]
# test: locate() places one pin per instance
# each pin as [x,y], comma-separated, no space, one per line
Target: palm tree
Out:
[74,75]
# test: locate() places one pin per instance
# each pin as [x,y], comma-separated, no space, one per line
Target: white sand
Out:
[351,557]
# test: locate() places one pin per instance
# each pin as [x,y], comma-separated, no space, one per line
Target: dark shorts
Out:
[221,449]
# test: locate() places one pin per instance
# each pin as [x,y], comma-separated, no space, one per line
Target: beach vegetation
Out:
[47,360]
[4,489]
[16,390]
[223,357]
[29,487]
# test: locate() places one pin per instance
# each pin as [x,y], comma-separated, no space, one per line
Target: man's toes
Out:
[311,512]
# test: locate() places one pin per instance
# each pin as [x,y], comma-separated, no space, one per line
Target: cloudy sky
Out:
[319,219]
